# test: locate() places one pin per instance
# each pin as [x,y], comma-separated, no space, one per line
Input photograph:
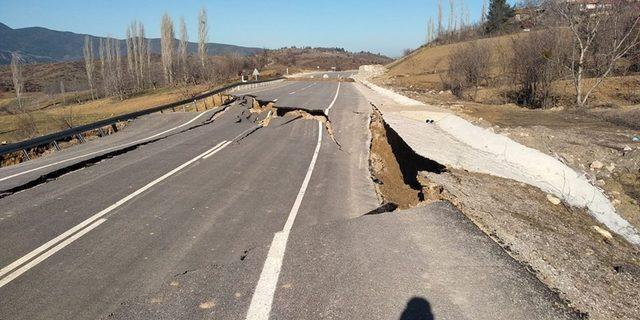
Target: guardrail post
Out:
[81,138]
[26,154]
[114,127]
[101,132]
[55,145]
[195,105]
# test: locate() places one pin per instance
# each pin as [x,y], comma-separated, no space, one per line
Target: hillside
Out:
[425,69]
[38,44]
[325,58]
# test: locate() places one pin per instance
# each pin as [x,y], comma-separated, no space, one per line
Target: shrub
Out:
[534,67]
[468,68]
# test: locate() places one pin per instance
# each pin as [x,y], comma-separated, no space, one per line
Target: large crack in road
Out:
[254,111]
[257,108]
[395,168]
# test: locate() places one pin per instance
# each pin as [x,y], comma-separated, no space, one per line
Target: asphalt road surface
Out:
[196,216]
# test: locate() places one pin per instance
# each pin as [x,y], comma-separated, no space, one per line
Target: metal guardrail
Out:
[52,138]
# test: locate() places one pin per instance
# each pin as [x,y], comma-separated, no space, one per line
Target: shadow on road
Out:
[417,309]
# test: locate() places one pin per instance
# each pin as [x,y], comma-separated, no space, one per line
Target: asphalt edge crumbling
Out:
[394,167]
[434,194]
[55,174]
[258,107]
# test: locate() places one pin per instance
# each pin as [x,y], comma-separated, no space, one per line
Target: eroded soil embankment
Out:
[394,167]
[598,275]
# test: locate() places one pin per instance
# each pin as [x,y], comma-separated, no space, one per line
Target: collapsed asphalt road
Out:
[226,221]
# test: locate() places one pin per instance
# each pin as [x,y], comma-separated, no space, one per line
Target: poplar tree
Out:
[167,52]
[182,50]
[89,63]
[203,35]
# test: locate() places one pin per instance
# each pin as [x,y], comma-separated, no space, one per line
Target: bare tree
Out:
[148,54]
[468,67]
[108,67]
[439,18]
[429,37]
[462,18]
[130,50]
[89,64]
[433,31]
[136,55]
[132,53]
[602,35]
[532,67]
[452,15]
[140,48]
[103,64]
[182,50]
[119,78]
[111,66]
[16,74]
[203,35]
[167,38]
[26,124]
[483,13]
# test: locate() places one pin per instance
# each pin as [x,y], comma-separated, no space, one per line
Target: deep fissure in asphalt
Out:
[272,111]
[394,168]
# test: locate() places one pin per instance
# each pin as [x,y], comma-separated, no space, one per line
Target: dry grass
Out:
[434,60]
[424,69]
[53,119]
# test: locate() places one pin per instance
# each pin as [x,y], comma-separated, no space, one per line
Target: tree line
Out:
[134,72]
[583,45]
[122,68]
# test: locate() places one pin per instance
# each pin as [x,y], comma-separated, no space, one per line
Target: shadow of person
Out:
[417,309]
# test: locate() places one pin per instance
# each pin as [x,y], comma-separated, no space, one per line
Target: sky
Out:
[378,26]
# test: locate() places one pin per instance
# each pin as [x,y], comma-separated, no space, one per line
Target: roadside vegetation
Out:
[549,45]
[118,76]
[110,81]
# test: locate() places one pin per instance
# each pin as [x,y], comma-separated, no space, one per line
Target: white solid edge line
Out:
[103,150]
[326,111]
[49,253]
[262,299]
[96,216]
[216,150]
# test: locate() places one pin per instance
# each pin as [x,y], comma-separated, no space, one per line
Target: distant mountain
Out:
[36,44]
